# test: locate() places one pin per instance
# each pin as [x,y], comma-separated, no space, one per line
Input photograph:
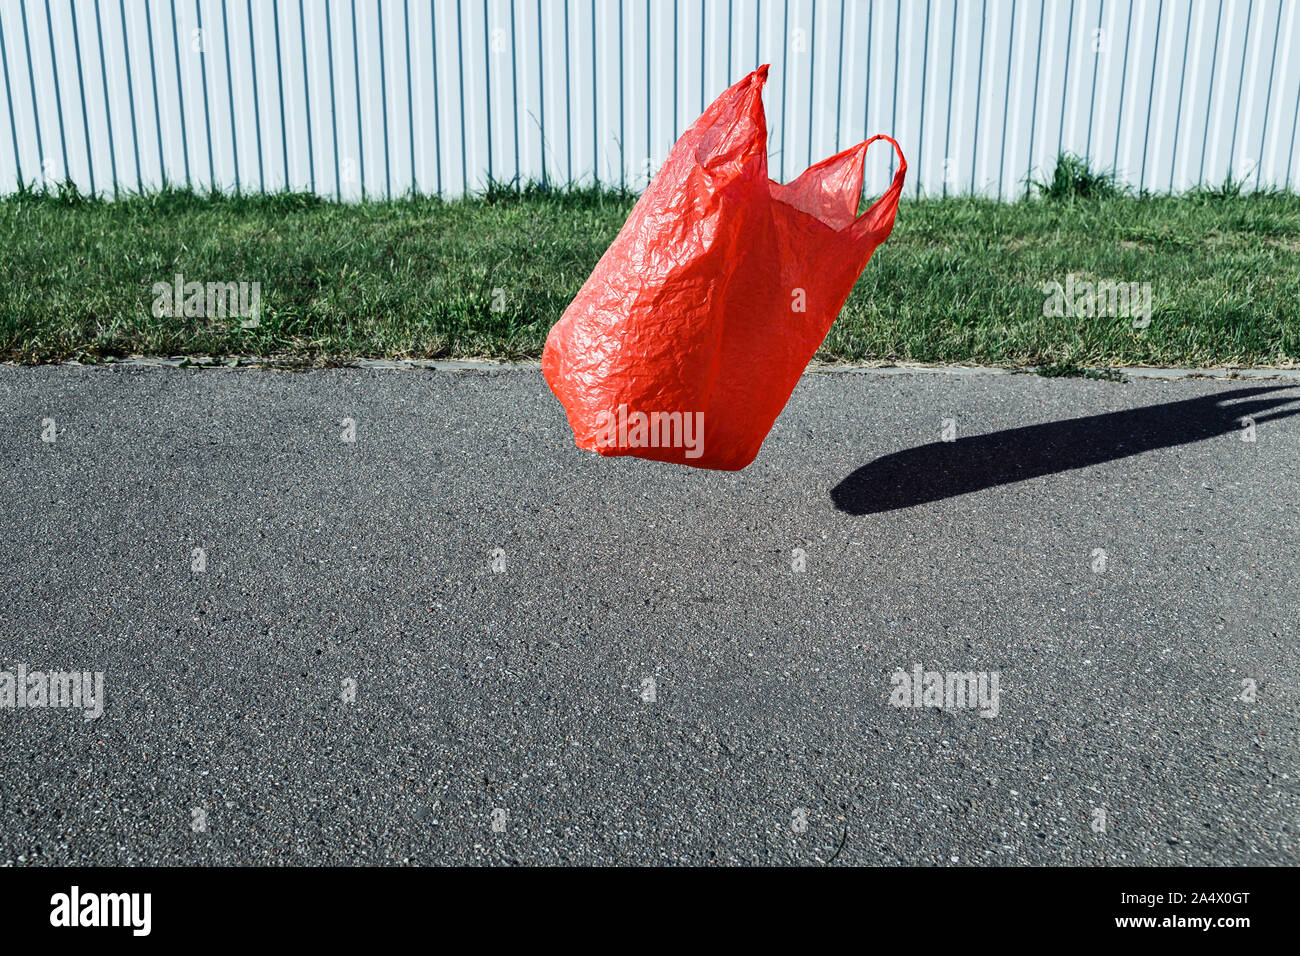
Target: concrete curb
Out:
[488,365]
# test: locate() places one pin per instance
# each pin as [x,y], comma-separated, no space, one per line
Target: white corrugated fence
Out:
[377,97]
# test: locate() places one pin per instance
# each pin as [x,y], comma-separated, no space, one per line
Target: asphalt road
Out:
[648,678]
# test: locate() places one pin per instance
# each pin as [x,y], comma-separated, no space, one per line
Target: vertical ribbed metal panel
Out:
[379,97]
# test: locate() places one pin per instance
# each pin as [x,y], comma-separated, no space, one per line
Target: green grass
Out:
[1074,179]
[959,281]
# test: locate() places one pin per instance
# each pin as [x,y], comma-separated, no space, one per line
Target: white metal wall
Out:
[381,96]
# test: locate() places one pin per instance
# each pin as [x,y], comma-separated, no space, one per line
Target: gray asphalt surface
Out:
[524,690]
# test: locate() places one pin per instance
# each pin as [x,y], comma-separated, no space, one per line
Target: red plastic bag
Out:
[695,326]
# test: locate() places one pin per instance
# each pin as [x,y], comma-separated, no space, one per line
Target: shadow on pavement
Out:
[946,469]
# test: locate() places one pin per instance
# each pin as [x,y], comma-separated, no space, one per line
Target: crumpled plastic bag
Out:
[695,326]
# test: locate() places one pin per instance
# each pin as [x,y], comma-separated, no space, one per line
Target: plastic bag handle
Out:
[895,190]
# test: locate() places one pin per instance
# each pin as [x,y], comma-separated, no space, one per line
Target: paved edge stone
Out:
[817,368]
